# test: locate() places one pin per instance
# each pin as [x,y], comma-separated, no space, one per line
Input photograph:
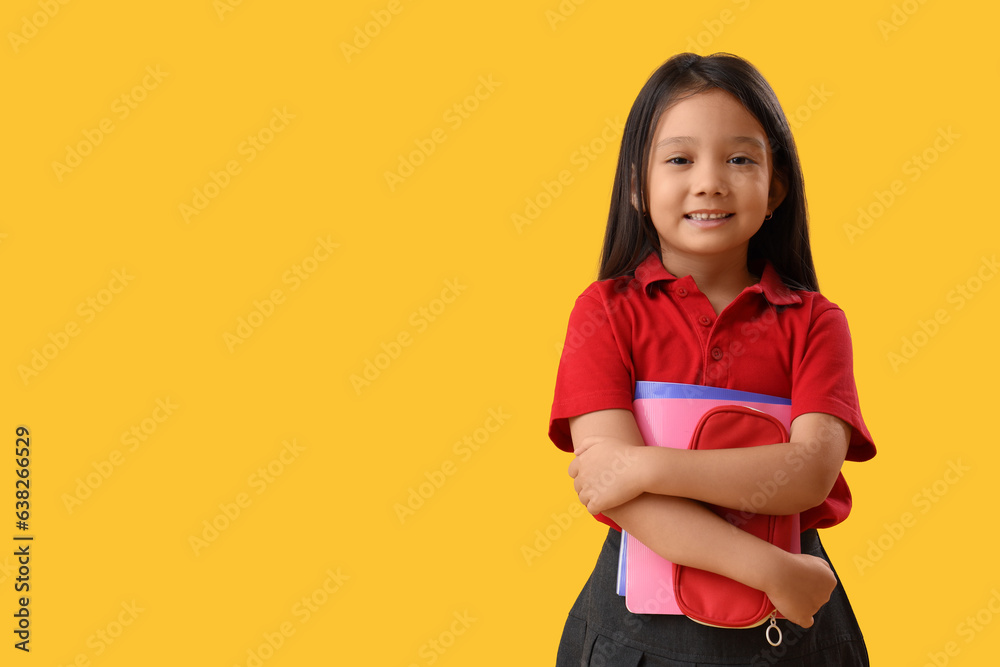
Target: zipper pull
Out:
[773,626]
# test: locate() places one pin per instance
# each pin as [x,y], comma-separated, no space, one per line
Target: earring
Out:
[769,215]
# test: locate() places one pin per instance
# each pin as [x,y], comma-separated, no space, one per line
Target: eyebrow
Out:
[753,141]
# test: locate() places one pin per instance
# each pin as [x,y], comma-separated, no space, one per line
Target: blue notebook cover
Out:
[646,389]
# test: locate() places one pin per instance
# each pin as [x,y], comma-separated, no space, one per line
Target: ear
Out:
[777,191]
[634,194]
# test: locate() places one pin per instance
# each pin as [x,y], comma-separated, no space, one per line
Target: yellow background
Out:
[453,573]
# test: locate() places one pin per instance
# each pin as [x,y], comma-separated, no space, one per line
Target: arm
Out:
[783,478]
[686,532]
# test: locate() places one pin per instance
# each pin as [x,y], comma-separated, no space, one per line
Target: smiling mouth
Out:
[708,216]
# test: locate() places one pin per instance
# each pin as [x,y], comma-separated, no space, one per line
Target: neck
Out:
[720,279]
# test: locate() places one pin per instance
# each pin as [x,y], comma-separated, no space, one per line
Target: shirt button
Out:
[705,321]
[716,353]
[681,292]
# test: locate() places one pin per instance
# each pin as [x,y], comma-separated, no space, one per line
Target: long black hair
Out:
[630,235]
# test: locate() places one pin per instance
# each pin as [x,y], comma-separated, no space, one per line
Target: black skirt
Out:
[601,632]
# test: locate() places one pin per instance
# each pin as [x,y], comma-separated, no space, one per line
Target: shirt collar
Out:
[651,270]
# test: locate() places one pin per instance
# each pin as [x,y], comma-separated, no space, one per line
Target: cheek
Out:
[757,189]
[751,182]
[664,192]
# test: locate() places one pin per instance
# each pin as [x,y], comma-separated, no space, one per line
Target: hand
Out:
[606,474]
[803,585]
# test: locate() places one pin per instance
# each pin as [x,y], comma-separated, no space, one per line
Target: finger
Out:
[574,469]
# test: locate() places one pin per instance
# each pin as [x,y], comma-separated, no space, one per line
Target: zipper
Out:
[773,626]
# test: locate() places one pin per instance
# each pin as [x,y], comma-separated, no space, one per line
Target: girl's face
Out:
[709,180]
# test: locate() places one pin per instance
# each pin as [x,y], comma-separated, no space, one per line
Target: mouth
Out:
[704,216]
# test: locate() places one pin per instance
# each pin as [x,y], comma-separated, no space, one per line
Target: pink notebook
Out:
[667,414]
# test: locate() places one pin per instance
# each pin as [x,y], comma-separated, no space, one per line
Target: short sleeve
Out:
[595,369]
[823,380]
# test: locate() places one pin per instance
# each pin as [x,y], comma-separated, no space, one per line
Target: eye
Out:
[678,160]
[741,160]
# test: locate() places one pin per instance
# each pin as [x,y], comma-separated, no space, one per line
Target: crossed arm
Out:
[654,494]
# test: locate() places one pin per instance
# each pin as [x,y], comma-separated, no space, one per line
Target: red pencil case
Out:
[710,598]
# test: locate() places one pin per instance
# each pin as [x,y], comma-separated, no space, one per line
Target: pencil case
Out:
[713,599]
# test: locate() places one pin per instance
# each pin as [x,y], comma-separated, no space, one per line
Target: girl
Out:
[707,278]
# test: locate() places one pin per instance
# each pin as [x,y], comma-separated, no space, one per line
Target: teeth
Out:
[707,216]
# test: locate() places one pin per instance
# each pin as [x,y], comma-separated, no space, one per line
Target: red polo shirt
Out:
[661,328]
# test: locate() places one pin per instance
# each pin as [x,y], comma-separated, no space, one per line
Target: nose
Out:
[709,179]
